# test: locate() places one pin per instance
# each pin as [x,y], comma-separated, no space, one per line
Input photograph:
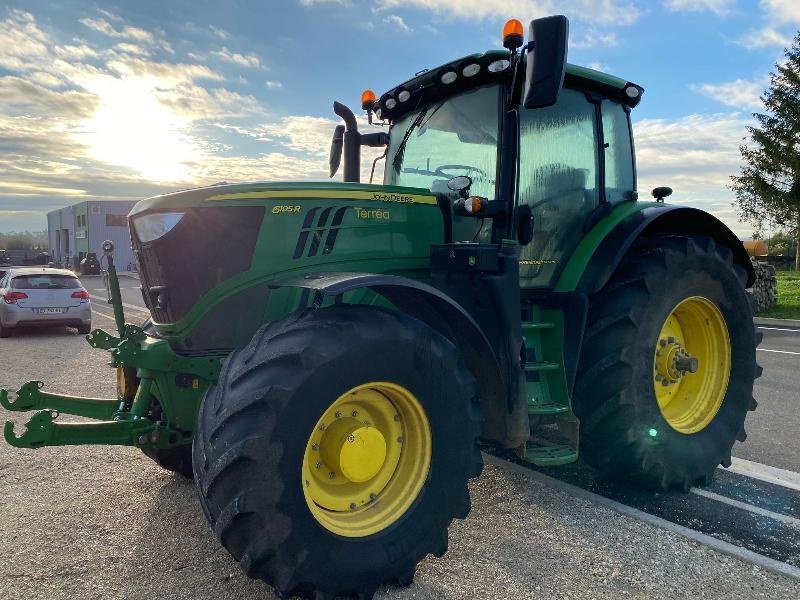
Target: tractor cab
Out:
[532,147]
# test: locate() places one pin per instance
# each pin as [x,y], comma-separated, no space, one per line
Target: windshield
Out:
[457,136]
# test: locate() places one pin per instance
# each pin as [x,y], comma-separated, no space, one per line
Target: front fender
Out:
[602,249]
[423,302]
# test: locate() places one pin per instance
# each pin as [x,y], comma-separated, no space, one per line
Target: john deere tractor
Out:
[324,358]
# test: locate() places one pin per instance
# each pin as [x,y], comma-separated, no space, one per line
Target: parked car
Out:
[43,296]
[90,265]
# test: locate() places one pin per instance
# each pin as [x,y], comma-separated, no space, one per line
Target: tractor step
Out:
[546,408]
[548,455]
[528,326]
[536,367]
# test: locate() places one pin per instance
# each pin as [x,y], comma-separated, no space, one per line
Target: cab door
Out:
[559,179]
[573,156]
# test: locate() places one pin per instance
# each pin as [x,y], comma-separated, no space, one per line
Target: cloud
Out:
[127,32]
[617,12]
[782,11]
[719,7]
[695,155]
[219,32]
[741,93]
[397,22]
[273,85]
[243,60]
[765,37]
[594,38]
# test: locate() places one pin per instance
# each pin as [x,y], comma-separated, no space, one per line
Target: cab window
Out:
[559,180]
[619,176]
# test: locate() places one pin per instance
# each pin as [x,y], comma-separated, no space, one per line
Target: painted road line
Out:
[782,477]
[124,304]
[773,536]
[780,329]
[793,522]
[725,547]
[776,351]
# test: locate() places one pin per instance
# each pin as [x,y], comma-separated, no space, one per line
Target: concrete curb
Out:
[128,274]
[776,322]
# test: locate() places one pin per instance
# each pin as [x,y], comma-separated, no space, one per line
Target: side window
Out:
[619,177]
[558,179]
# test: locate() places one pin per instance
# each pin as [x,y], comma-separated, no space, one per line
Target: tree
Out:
[768,187]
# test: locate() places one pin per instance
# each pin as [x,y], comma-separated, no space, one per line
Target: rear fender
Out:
[601,252]
[425,303]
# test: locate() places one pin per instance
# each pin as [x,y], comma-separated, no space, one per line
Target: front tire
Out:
[668,362]
[283,426]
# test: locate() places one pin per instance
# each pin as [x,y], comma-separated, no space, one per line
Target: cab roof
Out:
[426,86]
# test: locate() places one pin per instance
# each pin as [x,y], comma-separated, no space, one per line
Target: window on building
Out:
[116,220]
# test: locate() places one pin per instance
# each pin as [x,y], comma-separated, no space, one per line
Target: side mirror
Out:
[337,143]
[524,224]
[546,61]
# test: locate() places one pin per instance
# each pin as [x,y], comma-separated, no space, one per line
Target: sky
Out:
[125,100]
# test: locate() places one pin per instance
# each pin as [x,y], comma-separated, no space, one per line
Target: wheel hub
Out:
[673,361]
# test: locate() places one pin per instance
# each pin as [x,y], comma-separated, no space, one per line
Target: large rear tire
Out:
[335,450]
[666,373]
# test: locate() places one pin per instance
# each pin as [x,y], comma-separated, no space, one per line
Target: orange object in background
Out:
[756,247]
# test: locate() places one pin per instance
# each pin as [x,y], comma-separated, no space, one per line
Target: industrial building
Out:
[75,230]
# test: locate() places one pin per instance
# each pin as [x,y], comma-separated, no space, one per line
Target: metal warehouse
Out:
[76,230]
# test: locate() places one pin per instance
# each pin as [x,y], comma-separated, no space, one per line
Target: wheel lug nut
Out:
[400,439]
[338,414]
[322,427]
[662,341]
[659,377]
[353,506]
[318,465]
[670,340]
[664,382]
[315,447]
[331,475]
[354,413]
[373,496]
[397,417]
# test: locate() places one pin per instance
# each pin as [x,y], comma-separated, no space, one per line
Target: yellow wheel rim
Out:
[692,365]
[367,459]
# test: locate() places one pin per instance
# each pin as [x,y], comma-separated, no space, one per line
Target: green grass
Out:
[788,306]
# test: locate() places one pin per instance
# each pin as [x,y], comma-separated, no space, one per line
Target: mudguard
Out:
[602,250]
[423,302]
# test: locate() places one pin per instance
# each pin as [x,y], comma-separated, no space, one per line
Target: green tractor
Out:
[324,358]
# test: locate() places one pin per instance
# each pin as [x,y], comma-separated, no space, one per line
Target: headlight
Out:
[151,227]
[499,65]
[448,77]
[471,70]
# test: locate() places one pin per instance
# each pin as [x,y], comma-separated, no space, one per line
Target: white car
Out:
[43,296]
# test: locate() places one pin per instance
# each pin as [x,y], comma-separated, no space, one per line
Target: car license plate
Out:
[48,311]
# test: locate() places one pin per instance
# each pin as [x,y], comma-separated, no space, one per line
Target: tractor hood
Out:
[212,253]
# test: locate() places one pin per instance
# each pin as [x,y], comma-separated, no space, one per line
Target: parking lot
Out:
[97,522]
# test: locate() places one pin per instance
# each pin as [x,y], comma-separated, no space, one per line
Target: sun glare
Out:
[131,128]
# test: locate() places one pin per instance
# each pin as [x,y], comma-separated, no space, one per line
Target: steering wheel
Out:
[439,172]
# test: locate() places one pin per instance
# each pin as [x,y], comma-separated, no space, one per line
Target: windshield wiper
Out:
[398,155]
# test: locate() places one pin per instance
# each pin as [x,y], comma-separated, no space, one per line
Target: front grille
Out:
[208,246]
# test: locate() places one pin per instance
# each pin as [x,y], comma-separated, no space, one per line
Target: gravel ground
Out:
[95,522]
